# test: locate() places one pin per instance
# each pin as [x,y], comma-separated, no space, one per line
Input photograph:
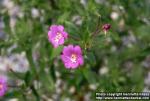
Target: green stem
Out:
[35,93]
[53,4]
[24,97]
[30,59]
[13,86]
[34,71]
[75,38]
[97,30]
[15,74]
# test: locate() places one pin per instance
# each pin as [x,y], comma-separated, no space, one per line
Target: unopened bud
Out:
[106,27]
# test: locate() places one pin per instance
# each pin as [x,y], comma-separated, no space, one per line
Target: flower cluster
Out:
[71,55]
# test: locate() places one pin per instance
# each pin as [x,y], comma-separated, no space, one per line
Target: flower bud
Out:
[106,27]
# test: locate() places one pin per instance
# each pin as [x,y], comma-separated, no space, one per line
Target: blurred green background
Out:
[118,62]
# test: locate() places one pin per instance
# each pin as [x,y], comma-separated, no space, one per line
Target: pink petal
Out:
[49,35]
[70,47]
[60,28]
[80,60]
[55,44]
[61,41]
[53,27]
[66,61]
[74,65]
[67,65]
[67,52]
[65,34]
[78,50]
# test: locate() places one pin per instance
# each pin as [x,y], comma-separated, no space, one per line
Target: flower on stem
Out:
[106,27]
[3,86]
[57,35]
[72,56]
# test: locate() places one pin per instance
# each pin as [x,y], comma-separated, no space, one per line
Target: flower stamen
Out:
[1,86]
[74,58]
[58,37]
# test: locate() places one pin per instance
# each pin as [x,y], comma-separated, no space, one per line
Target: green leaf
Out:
[89,75]
[28,78]
[56,52]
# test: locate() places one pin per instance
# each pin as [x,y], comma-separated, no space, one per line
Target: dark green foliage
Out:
[110,51]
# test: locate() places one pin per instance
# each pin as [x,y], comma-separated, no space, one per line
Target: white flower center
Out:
[1,86]
[58,37]
[73,58]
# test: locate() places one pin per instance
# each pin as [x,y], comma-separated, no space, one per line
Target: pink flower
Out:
[3,86]
[72,56]
[57,35]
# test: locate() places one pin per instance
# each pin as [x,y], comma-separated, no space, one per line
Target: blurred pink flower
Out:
[72,56]
[57,35]
[3,86]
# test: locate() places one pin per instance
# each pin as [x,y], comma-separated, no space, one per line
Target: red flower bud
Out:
[106,27]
